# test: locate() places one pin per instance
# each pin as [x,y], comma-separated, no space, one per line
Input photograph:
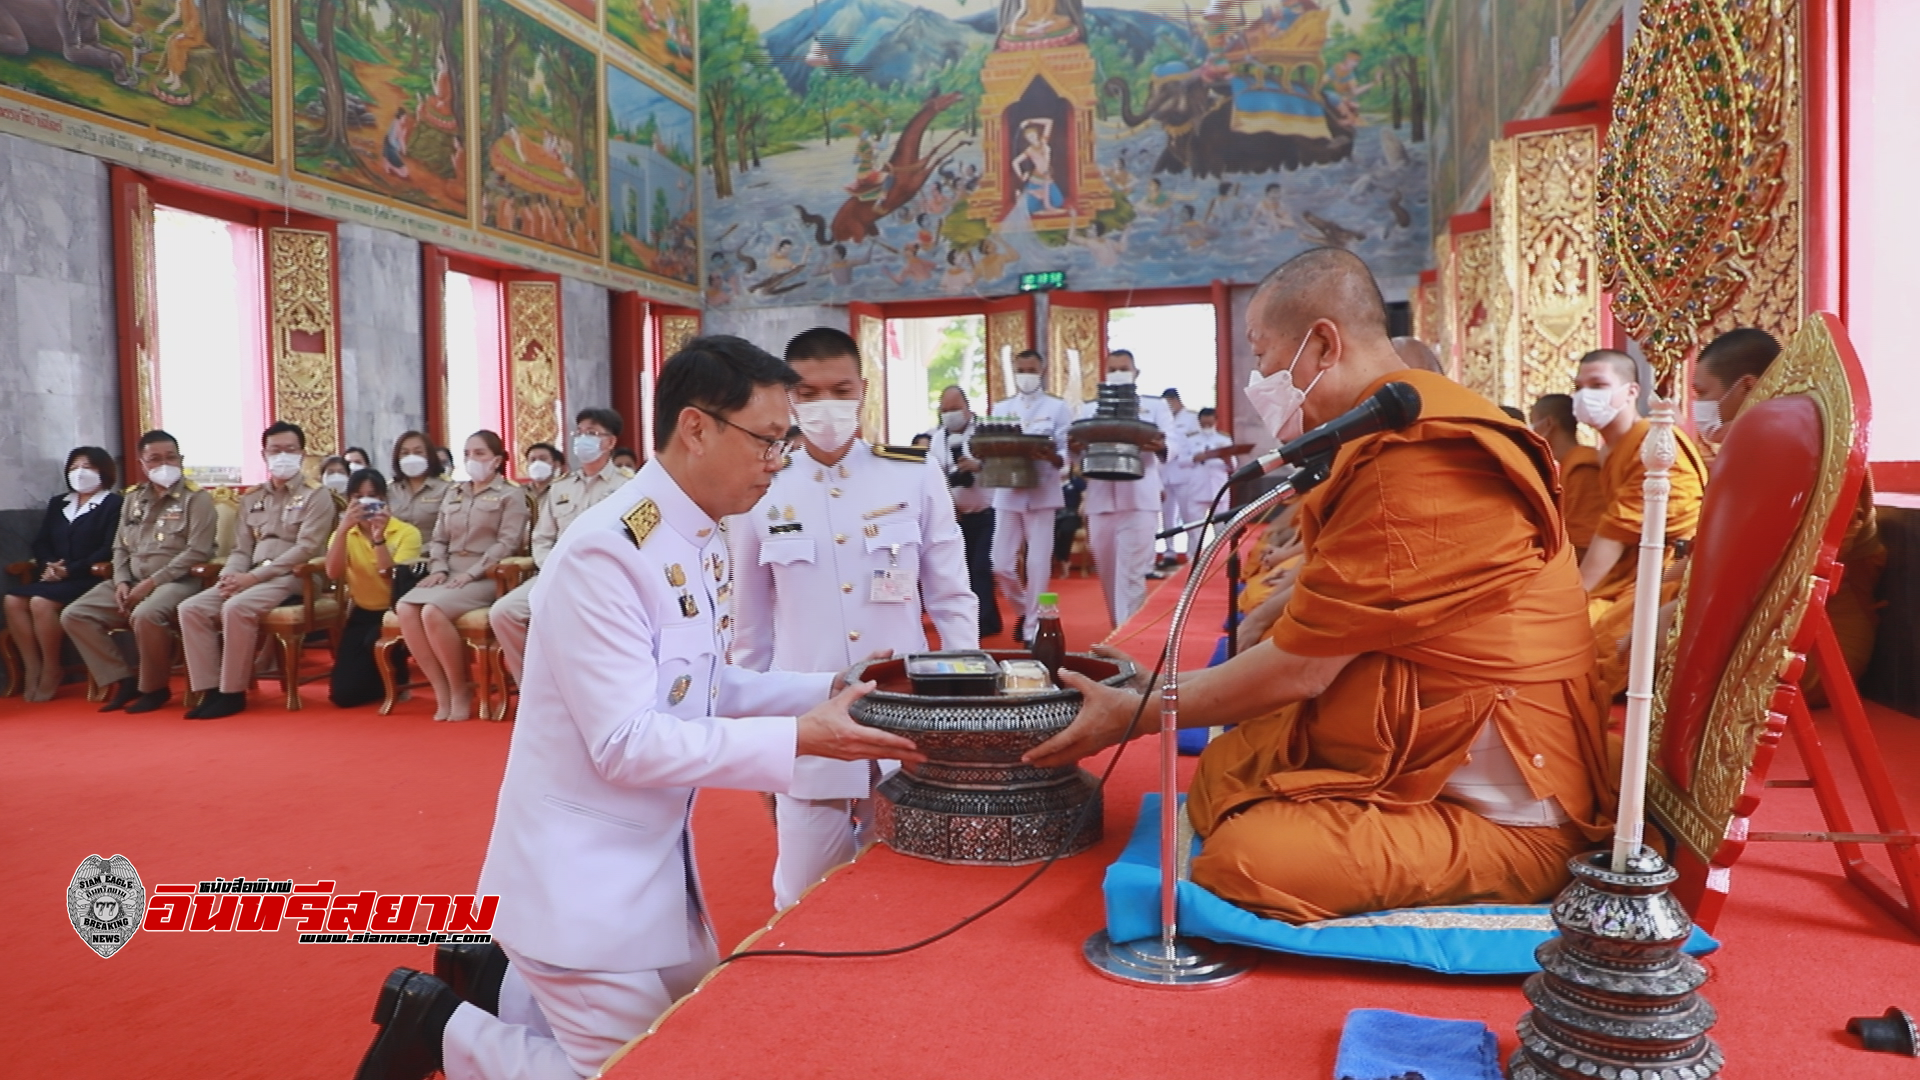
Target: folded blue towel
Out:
[1379,1044]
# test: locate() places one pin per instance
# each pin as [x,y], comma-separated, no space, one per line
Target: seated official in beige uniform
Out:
[595,433]
[483,520]
[415,494]
[283,523]
[166,527]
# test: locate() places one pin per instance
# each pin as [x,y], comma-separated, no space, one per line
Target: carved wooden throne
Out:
[1752,609]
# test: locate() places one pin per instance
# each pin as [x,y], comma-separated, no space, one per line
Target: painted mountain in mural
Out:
[1135,31]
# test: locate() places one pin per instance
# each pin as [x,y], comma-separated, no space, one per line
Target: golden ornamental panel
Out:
[1077,330]
[1427,315]
[675,332]
[1476,318]
[305,354]
[1006,337]
[1743,703]
[1447,284]
[1699,222]
[1546,218]
[146,326]
[533,359]
[871,335]
[1502,308]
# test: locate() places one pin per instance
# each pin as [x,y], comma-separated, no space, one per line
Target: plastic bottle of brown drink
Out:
[1049,642]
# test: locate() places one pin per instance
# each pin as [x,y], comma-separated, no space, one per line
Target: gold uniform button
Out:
[853,635]
[835,492]
[840,538]
[1539,761]
[846,586]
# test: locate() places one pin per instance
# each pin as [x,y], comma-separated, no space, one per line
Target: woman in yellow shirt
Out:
[363,552]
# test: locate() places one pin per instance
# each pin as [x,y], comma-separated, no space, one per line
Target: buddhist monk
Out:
[1726,372]
[1418,355]
[1581,499]
[1420,726]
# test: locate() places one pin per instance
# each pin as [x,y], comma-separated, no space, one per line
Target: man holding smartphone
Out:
[972,503]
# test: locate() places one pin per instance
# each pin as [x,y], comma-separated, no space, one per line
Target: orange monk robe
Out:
[1260,562]
[1622,476]
[1582,498]
[1437,555]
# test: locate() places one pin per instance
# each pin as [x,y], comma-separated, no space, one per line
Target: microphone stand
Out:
[1170,960]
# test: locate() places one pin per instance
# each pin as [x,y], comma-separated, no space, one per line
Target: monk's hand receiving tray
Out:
[1105,712]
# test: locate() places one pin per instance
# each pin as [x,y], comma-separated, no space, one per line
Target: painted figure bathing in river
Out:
[1034,166]
[393,151]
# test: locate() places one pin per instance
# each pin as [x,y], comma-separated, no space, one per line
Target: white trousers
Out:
[557,1023]
[1031,531]
[816,835]
[1173,509]
[1122,543]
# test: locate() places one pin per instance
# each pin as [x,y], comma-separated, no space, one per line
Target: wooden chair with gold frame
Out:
[476,632]
[1753,606]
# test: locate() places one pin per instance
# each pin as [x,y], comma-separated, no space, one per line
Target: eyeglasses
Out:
[774,448]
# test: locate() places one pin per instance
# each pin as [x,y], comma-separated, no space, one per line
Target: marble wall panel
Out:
[382,364]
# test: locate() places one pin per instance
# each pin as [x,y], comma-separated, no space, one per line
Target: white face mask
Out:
[954,420]
[1122,377]
[1027,382]
[165,475]
[83,480]
[283,466]
[1706,417]
[1594,407]
[336,480]
[479,470]
[538,470]
[830,423]
[586,448]
[413,465]
[1279,402]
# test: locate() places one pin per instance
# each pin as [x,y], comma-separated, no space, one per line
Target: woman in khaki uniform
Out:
[414,495]
[482,520]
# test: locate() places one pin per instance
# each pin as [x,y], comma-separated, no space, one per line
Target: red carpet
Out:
[400,803]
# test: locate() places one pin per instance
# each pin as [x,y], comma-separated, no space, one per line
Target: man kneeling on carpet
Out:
[1420,726]
[627,707]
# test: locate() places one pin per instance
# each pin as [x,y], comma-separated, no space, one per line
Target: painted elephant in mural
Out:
[1197,115]
[70,28]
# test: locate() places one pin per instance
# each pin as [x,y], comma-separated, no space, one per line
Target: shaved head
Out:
[1623,365]
[1556,409]
[1418,355]
[1739,353]
[1324,283]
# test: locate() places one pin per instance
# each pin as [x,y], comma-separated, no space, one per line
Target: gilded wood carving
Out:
[146,330]
[1077,329]
[1476,316]
[871,336]
[1006,330]
[1545,218]
[306,383]
[675,332]
[533,352]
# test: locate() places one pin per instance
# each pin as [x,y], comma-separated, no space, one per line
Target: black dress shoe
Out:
[218,704]
[412,1012]
[1019,631]
[124,692]
[150,700]
[473,972]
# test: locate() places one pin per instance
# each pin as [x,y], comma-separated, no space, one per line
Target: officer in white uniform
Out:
[951,448]
[621,720]
[834,565]
[595,433]
[1123,515]
[1023,517]
[1210,470]
[1178,475]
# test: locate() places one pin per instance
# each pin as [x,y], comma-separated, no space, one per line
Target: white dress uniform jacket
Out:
[628,705]
[1106,496]
[1039,414]
[835,564]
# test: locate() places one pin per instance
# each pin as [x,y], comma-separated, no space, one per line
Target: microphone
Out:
[1391,408]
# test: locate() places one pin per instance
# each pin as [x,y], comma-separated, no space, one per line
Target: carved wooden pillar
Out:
[1428,311]
[1009,331]
[1473,304]
[534,397]
[303,331]
[1076,345]
[870,334]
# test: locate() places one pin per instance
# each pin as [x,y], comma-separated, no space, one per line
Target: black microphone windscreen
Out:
[1399,404]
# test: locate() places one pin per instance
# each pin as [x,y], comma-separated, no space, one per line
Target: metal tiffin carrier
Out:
[1113,435]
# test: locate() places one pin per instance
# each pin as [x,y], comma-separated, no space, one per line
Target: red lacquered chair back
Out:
[1776,509]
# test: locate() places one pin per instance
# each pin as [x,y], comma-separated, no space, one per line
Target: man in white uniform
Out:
[951,448]
[832,566]
[1023,517]
[1123,515]
[1211,466]
[1178,476]
[628,707]
[595,432]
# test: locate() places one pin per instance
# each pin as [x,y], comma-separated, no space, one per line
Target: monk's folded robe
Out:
[1436,556]
[1582,498]
[1623,478]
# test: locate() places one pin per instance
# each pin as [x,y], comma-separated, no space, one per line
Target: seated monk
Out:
[1420,727]
[1725,374]
[1581,499]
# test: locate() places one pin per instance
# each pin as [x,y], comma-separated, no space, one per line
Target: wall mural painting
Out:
[539,131]
[651,173]
[873,149]
[197,69]
[1527,30]
[661,31]
[379,98]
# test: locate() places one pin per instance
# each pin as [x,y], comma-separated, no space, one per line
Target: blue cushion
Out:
[1475,939]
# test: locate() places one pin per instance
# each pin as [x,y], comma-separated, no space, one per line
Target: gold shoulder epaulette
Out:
[641,521]
[191,486]
[901,453]
[131,488]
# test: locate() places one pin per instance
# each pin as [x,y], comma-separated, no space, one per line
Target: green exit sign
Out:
[1043,280]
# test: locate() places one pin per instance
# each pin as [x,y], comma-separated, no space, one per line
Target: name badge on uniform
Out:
[891,585]
[776,530]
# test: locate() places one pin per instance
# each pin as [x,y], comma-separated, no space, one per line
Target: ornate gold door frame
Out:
[1545,227]
[303,324]
[1076,345]
[534,388]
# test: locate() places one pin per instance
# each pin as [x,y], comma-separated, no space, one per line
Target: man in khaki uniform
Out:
[166,527]
[283,524]
[595,433]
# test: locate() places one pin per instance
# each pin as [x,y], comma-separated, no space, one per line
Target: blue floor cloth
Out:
[1378,1044]
[1475,939]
